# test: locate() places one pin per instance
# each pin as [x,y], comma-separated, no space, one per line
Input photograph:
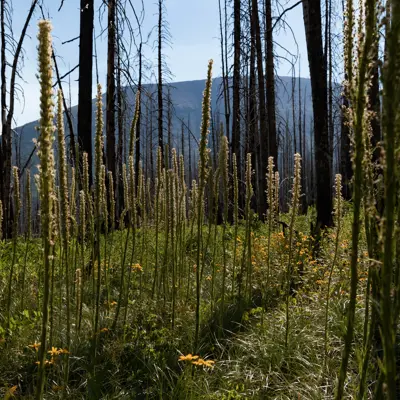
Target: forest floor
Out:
[264,346]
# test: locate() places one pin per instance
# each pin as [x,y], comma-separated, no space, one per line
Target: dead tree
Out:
[85,81]
[318,76]
[110,111]
[7,110]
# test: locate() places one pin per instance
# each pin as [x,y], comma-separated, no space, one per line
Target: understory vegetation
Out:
[184,292]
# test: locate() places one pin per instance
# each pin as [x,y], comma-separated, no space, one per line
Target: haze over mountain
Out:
[187,100]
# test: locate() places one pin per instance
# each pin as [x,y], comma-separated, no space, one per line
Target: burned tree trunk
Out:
[110,112]
[318,76]
[85,82]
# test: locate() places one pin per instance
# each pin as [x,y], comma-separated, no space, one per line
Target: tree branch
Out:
[285,11]
[59,79]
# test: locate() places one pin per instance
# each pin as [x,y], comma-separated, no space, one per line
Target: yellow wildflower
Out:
[204,363]
[137,268]
[46,362]
[34,346]
[54,351]
[188,357]
[11,392]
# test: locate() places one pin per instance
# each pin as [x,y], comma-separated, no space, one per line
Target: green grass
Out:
[140,359]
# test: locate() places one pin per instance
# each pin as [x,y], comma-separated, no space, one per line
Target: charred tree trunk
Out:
[346,168]
[225,80]
[120,121]
[7,117]
[6,140]
[253,122]
[138,127]
[263,132]
[85,82]
[235,144]
[160,83]
[270,78]
[110,112]
[318,76]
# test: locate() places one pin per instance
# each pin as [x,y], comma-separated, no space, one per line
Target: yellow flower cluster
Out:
[54,352]
[34,346]
[188,357]
[204,363]
[137,268]
[196,360]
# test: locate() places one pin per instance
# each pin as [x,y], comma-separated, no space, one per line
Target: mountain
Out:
[187,100]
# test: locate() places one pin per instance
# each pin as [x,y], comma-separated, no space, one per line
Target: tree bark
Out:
[85,82]
[110,112]
[263,132]
[159,85]
[318,76]
[235,144]
[270,77]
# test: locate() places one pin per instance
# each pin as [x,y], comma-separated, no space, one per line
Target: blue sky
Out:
[194,28]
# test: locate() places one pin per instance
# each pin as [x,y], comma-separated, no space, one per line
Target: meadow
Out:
[181,294]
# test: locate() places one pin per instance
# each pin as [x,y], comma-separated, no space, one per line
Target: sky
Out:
[194,31]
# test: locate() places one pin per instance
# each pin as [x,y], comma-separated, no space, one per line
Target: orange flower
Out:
[46,362]
[188,357]
[11,392]
[54,351]
[137,268]
[34,346]
[204,363]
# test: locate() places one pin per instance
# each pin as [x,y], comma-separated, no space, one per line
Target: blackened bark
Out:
[110,112]
[138,125]
[6,142]
[160,83]
[263,132]
[270,77]
[318,76]
[120,121]
[235,145]
[346,168]
[85,82]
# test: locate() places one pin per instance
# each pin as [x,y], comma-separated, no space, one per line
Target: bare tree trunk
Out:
[270,77]
[190,154]
[263,132]
[7,118]
[110,112]
[318,75]
[120,101]
[85,82]
[169,131]
[6,139]
[159,85]
[235,144]
[294,110]
[225,79]
[346,168]
[151,140]
[138,125]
